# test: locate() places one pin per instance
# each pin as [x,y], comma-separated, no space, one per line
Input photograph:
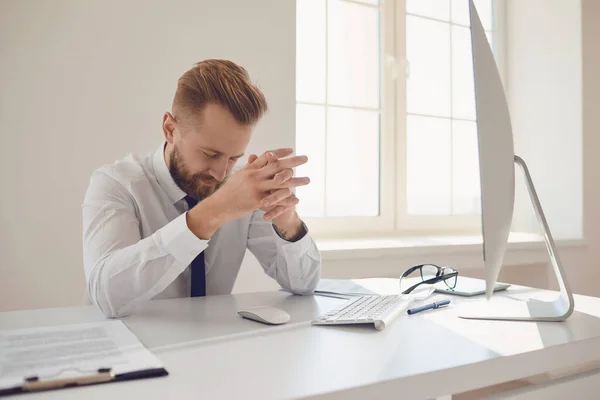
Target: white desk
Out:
[211,353]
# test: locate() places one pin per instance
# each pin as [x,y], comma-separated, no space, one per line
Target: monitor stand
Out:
[499,308]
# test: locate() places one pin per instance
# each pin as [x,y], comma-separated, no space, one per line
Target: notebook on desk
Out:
[62,356]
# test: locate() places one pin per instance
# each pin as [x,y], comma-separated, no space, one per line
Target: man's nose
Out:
[219,170]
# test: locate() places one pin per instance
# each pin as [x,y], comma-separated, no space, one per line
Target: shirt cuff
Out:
[298,247]
[177,239]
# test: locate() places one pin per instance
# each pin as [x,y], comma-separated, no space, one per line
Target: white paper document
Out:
[343,288]
[69,351]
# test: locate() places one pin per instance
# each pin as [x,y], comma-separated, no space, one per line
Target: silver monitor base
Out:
[558,309]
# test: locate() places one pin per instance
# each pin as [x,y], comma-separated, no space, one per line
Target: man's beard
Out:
[190,183]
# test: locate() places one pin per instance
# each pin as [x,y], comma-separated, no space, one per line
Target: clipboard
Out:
[63,356]
[104,375]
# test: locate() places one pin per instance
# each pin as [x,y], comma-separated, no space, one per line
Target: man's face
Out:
[204,149]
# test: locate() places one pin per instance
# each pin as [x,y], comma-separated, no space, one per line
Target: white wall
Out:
[86,82]
[543,75]
[589,262]
[554,94]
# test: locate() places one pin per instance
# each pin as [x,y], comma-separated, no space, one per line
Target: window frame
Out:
[393,219]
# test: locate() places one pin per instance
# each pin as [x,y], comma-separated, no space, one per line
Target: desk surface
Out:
[209,350]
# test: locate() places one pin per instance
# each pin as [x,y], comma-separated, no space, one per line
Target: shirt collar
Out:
[164,178]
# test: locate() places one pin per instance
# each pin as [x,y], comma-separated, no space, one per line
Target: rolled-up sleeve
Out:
[296,266]
[122,270]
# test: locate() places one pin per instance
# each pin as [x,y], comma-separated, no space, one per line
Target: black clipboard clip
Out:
[103,375]
[33,383]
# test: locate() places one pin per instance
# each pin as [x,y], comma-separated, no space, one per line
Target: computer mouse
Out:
[266,315]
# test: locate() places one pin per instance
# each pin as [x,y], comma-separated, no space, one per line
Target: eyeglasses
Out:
[429,274]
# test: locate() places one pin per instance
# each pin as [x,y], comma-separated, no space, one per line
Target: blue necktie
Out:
[198,271]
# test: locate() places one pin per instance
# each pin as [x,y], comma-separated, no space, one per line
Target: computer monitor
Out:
[497,176]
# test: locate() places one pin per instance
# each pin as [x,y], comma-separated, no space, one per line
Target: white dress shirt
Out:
[137,245]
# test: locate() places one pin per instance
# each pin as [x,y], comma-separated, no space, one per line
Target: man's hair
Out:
[219,82]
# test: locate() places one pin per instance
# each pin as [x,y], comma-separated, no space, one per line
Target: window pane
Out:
[352,162]
[460,12]
[428,52]
[463,88]
[353,54]
[310,50]
[310,141]
[439,9]
[428,151]
[490,38]
[466,190]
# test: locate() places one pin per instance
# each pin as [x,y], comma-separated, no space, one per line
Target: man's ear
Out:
[168,125]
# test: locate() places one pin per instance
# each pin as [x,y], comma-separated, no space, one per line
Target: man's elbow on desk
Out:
[305,286]
[102,303]
[308,291]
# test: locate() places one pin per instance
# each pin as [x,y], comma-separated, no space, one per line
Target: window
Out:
[386,114]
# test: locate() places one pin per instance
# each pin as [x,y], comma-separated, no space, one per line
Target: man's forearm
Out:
[206,217]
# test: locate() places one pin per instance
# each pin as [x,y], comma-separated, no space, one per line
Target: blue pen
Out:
[433,305]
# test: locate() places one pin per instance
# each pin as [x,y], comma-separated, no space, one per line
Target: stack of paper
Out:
[341,288]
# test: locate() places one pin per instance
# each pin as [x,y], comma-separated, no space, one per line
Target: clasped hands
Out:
[265,183]
[279,202]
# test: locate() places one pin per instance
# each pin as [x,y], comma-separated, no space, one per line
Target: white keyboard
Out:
[376,310]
